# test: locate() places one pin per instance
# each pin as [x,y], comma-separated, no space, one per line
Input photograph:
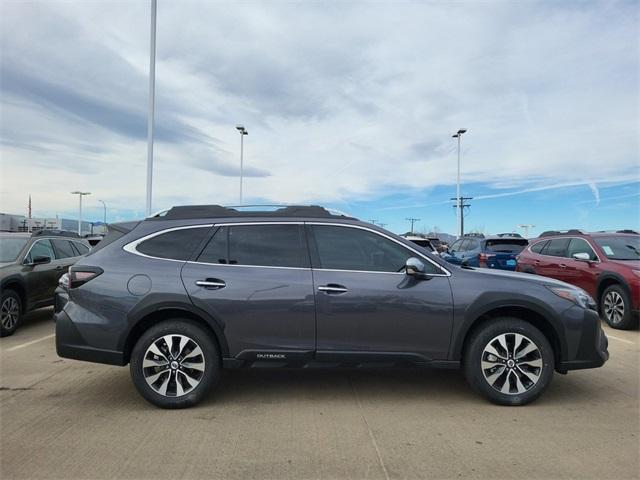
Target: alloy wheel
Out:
[511,363]
[9,313]
[173,365]
[614,307]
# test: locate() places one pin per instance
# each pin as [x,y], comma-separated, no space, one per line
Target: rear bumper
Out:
[593,350]
[70,344]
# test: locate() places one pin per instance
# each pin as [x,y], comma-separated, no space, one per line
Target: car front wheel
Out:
[174,364]
[10,312]
[509,361]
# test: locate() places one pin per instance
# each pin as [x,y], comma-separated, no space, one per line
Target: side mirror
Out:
[40,260]
[415,267]
[581,257]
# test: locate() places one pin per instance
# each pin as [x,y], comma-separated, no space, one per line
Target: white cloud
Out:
[341,100]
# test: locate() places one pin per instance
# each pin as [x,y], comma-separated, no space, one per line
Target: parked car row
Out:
[30,266]
[606,265]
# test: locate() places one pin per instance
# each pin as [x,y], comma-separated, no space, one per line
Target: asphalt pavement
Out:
[68,419]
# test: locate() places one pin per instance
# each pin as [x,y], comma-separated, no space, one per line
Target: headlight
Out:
[579,297]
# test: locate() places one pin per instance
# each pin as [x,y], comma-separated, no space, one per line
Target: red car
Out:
[604,264]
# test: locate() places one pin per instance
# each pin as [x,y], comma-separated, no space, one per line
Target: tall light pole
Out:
[526,229]
[152,96]
[80,195]
[459,212]
[104,220]
[243,131]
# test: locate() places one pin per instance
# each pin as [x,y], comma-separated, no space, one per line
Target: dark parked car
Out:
[201,288]
[499,251]
[30,266]
[423,242]
[605,264]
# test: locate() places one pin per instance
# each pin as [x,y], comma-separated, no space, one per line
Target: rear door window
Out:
[174,245]
[556,247]
[64,249]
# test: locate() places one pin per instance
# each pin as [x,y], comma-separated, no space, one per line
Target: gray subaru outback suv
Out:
[182,295]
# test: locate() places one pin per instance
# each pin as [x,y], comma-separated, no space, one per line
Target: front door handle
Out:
[211,283]
[333,288]
[562,265]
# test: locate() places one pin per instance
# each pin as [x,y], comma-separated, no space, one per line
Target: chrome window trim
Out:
[420,255]
[246,266]
[568,258]
[131,246]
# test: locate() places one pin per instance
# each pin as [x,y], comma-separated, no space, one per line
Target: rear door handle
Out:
[59,267]
[211,283]
[562,265]
[333,288]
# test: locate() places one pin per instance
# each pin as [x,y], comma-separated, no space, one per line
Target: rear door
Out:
[553,259]
[255,279]
[366,304]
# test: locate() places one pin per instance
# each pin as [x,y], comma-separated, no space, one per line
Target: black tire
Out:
[182,377]
[520,373]
[615,308]
[10,312]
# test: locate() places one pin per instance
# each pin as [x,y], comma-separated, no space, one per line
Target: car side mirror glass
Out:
[40,260]
[581,257]
[413,266]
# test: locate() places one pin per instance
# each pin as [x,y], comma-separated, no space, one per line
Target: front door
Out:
[255,280]
[367,304]
[41,280]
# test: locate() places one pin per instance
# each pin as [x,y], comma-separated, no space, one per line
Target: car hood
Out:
[6,264]
[519,276]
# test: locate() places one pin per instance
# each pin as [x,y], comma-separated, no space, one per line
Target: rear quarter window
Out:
[537,248]
[175,244]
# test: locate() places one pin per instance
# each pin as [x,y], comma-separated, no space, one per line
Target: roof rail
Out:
[218,211]
[627,230]
[573,231]
[512,234]
[55,233]
[477,235]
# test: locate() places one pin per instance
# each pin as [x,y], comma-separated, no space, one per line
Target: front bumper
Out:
[592,350]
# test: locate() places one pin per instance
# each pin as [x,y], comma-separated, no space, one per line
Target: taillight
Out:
[482,259]
[79,276]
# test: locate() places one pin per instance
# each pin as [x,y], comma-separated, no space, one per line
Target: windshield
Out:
[620,247]
[506,246]
[10,248]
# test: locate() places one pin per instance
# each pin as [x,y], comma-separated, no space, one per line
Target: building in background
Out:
[20,223]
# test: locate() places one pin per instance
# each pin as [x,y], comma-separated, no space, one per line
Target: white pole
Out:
[152,88]
[459,203]
[241,162]
[80,217]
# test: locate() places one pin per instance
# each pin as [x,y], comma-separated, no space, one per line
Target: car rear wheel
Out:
[509,361]
[10,312]
[615,308]
[174,364]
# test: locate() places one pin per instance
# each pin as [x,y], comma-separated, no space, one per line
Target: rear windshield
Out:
[506,246]
[10,248]
[620,247]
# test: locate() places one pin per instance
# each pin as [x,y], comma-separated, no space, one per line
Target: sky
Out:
[350,105]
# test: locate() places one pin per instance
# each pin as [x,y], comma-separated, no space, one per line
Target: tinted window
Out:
[456,246]
[506,246]
[620,247]
[267,245]
[176,245]
[471,245]
[345,248]
[557,247]
[42,248]
[63,248]
[578,245]
[81,248]
[537,248]
[217,250]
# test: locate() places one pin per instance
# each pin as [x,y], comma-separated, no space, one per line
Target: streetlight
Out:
[80,195]
[243,131]
[105,212]
[458,135]
[526,229]
[152,94]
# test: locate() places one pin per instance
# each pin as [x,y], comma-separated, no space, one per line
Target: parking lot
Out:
[68,419]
